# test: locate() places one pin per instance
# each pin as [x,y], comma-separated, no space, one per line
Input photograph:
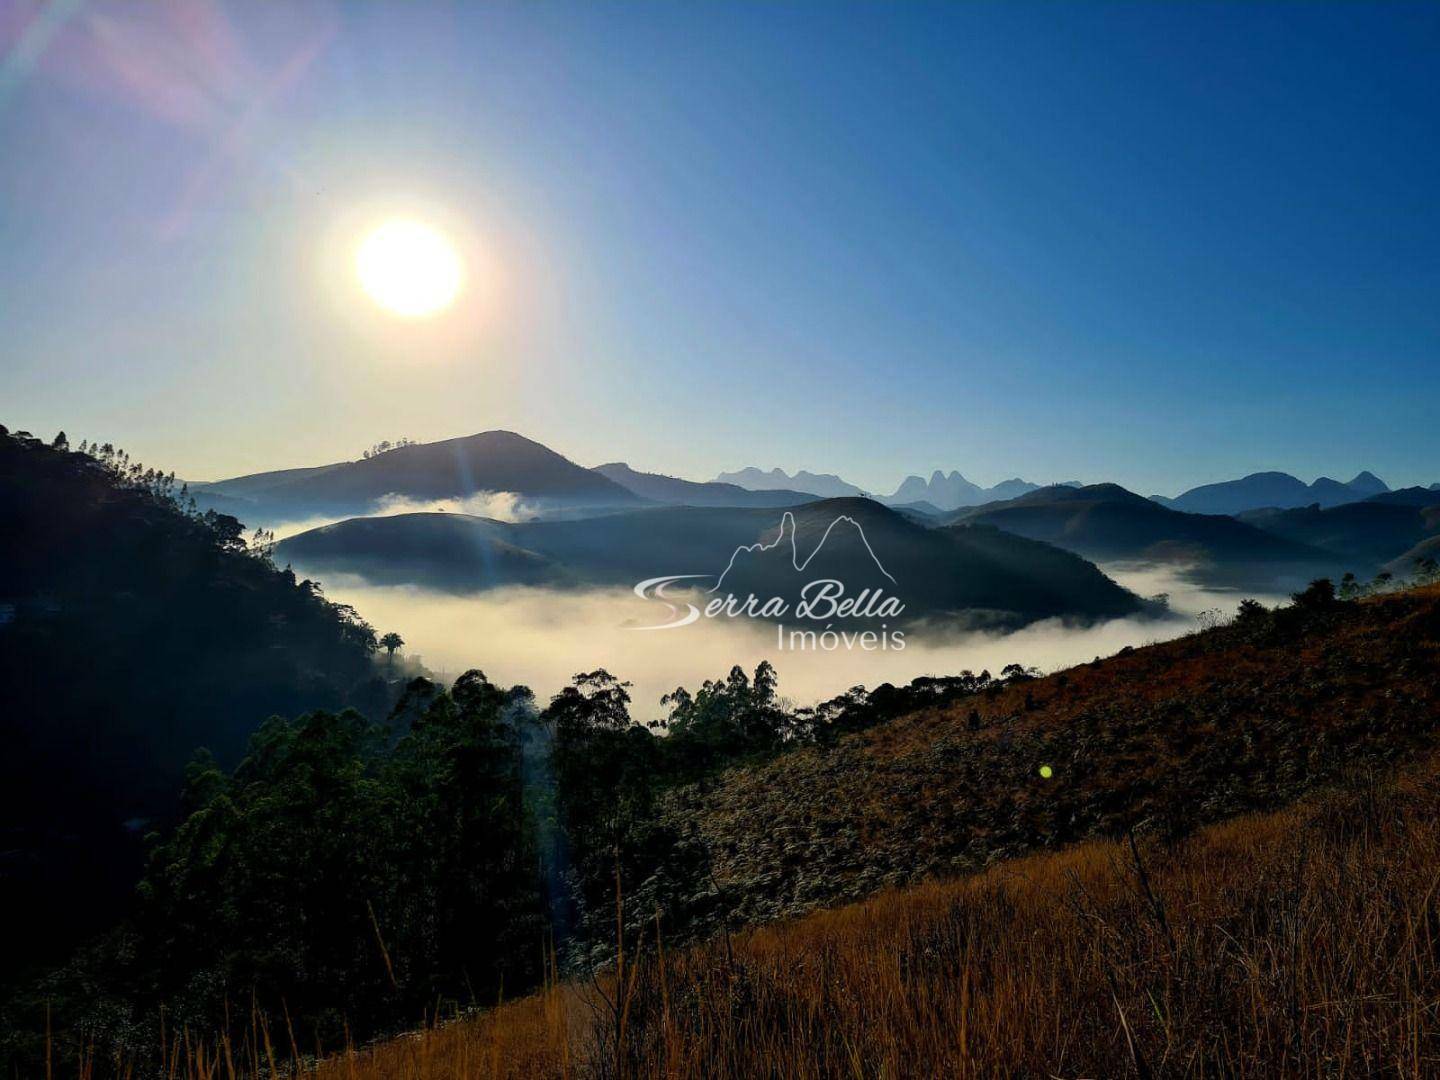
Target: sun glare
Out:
[409,269]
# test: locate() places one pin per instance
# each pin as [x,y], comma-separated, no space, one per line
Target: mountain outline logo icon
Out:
[656,588]
[789,527]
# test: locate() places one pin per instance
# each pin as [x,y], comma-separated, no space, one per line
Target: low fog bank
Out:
[542,637]
[496,505]
[1187,599]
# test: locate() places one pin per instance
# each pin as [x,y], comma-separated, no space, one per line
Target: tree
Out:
[606,779]
[1427,570]
[1250,611]
[402,870]
[228,531]
[1350,587]
[390,642]
[1318,596]
[262,544]
[725,720]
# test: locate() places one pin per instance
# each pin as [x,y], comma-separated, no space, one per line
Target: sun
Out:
[409,268]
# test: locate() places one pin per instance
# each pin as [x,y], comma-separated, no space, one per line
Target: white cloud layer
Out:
[497,505]
[542,637]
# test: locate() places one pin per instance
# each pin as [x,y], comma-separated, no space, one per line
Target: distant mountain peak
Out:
[677,492]
[1272,474]
[1261,490]
[950,491]
[1369,483]
[826,485]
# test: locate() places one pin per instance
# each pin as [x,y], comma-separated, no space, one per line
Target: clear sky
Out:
[1156,244]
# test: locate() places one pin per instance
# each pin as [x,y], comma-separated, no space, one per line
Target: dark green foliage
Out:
[725,721]
[390,642]
[1318,596]
[133,630]
[609,773]
[348,878]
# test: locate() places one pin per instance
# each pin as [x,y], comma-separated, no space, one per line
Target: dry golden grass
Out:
[1299,943]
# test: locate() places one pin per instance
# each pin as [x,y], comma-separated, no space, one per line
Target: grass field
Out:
[1302,942]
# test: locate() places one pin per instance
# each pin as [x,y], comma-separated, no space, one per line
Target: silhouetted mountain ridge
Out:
[970,573]
[1278,489]
[953,491]
[678,492]
[1363,535]
[492,461]
[825,485]
[1109,523]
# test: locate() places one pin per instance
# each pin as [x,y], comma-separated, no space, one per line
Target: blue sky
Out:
[1156,244]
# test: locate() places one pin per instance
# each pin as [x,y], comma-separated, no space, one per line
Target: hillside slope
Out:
[1296,942]
[1364,534]
[444,551]
[1428,550]
[130,634]
[1157,741]
[1177,734]
[1294,937]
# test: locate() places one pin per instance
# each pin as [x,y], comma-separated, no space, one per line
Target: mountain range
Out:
[669,489]
[979,572]
[952,491]
[826,485]
[549,483]
[942,491]
[1266,489]
[1106,522]
[1267,530]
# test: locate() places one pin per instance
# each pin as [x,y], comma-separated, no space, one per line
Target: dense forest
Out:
[133,630]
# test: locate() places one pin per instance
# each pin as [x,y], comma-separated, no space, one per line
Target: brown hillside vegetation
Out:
[1299,943]
[1168,737]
